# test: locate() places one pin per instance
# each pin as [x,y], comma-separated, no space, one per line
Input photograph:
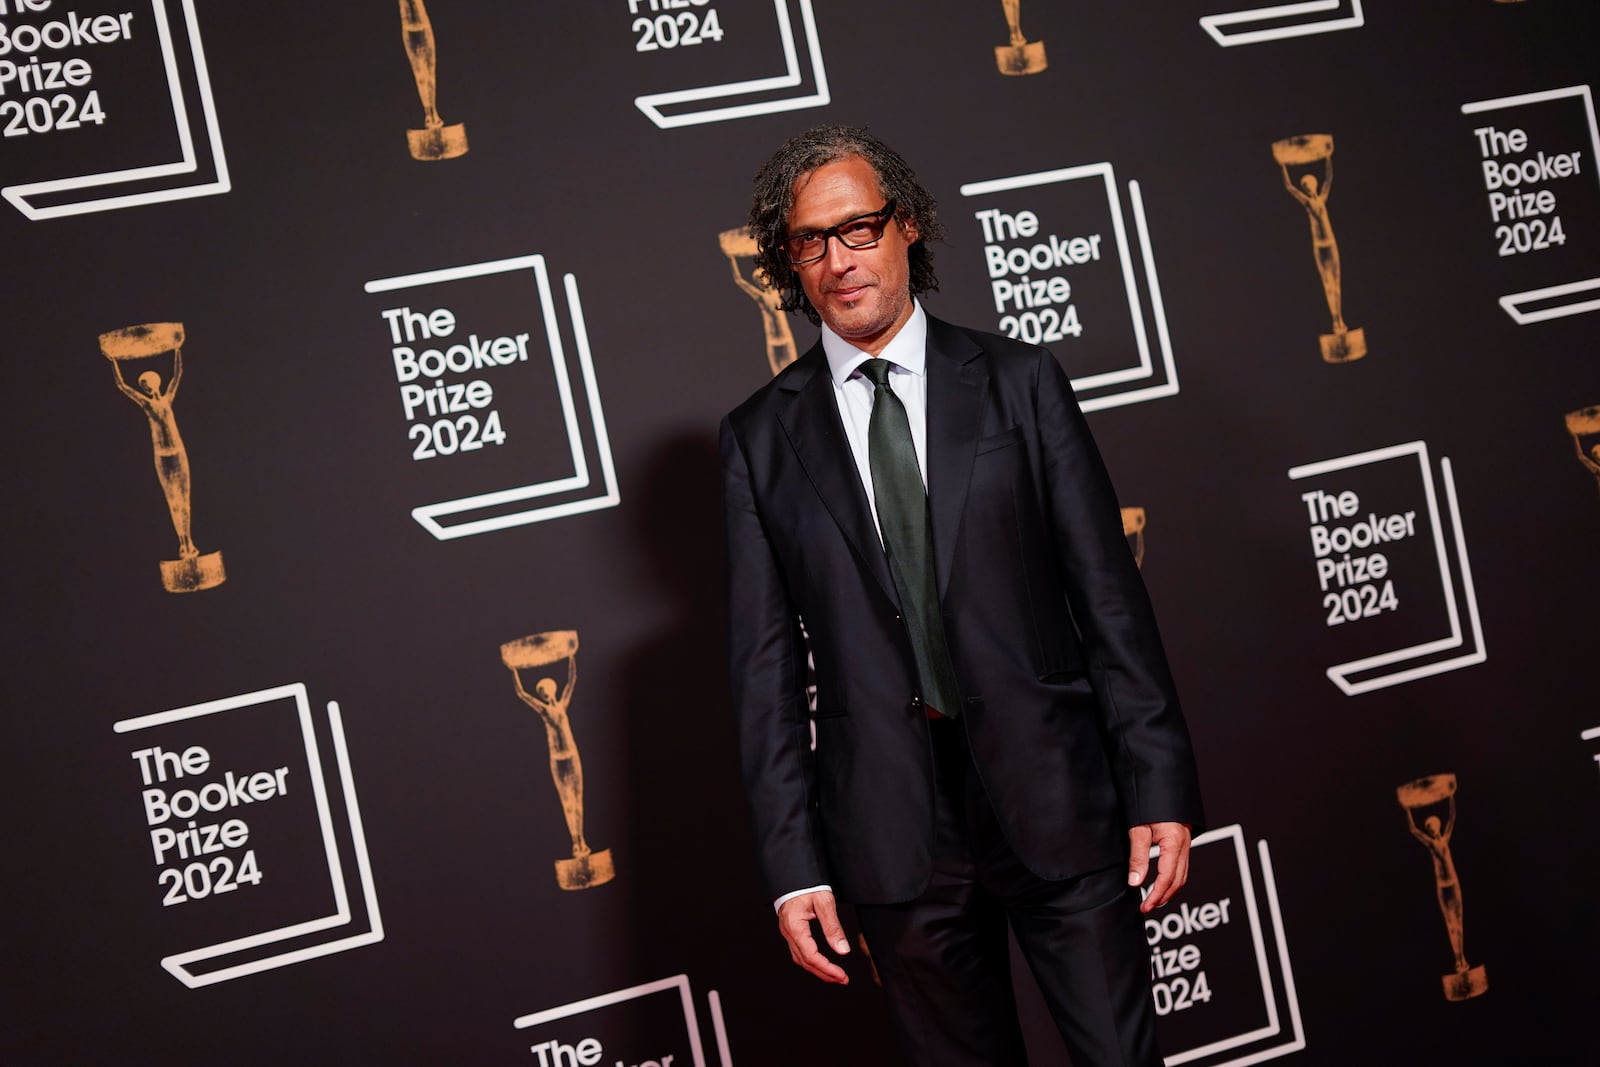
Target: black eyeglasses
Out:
[859,232]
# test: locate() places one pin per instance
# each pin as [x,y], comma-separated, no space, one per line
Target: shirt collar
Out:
[907,349]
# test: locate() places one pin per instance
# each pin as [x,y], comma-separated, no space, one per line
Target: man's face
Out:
[863,294]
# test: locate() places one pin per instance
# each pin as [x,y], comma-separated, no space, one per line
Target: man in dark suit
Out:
[997,737]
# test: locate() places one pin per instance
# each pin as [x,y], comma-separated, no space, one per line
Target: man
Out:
[997,736]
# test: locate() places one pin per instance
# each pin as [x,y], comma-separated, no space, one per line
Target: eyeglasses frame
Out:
[884,216]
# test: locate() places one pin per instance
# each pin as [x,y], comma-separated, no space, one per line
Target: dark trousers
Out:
[944,958]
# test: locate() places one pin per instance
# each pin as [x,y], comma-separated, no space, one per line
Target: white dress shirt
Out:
[907,352]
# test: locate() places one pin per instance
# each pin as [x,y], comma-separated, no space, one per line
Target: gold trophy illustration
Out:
[1343,345]
[739,245]
[586,868]
[1584,426]
[192,570]
[1021,56]
[435,140]
[1415,797]
[1133,526]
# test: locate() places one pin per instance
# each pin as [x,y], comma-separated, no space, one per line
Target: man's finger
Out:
[805,953]
[819,965]
[1178,848]
[1173,841]
[794,922]
[1180,874]
[1161,889]
[1138,854]
[832,931]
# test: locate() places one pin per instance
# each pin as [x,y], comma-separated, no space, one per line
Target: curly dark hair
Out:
[804,153]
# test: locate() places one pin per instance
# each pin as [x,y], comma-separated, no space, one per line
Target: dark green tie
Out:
[907,538]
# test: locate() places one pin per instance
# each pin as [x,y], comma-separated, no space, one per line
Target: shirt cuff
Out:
[776,904]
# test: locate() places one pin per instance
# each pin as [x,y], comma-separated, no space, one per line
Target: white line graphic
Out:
[178,964]
[1340,673]
[719,1029]
[1214,24]
[18,195]
[1170,387]
[652,103]
[1290,994]
[428,515]
[1146,365]
[1512,302]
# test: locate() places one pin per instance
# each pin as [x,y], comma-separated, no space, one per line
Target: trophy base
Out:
[1020,58]
[1346,346]
[585,872]
[190,574]
[1464,985]
[438,142]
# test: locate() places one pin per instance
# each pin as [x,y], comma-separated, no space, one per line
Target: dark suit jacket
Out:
[1073,721]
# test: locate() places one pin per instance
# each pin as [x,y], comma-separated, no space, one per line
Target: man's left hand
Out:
[1172,838]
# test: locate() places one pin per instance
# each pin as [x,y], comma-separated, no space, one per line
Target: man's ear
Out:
[908,226]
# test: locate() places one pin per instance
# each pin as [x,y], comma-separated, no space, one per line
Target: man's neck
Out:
[907,347]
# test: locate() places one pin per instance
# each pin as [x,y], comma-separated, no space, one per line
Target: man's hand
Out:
[794,923]
[1173,840]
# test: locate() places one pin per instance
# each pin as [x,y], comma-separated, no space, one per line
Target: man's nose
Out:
[839,256]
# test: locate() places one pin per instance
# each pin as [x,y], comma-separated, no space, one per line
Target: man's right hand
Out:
[794,923]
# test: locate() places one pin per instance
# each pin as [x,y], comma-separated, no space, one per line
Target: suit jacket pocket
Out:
[1003,439]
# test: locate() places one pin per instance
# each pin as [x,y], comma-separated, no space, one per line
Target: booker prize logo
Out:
[1056,266]
[1310,181]
[148,350]
[495,433]
[1584,426]
[250,850]
[1430,806]
[733,46]
[1392,591]
[96,101]
[1280,22]
[1534,159]
[1020,55]
[435,140]
[1221,976]
[740,248]
[649,1025]
[540,655]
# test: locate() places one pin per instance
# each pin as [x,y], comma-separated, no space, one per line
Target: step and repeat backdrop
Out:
[365,686]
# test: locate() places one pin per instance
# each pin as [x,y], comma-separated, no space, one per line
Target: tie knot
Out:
[877,370]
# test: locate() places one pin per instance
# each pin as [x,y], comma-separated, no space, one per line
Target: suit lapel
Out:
[957,382]
[811,421]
